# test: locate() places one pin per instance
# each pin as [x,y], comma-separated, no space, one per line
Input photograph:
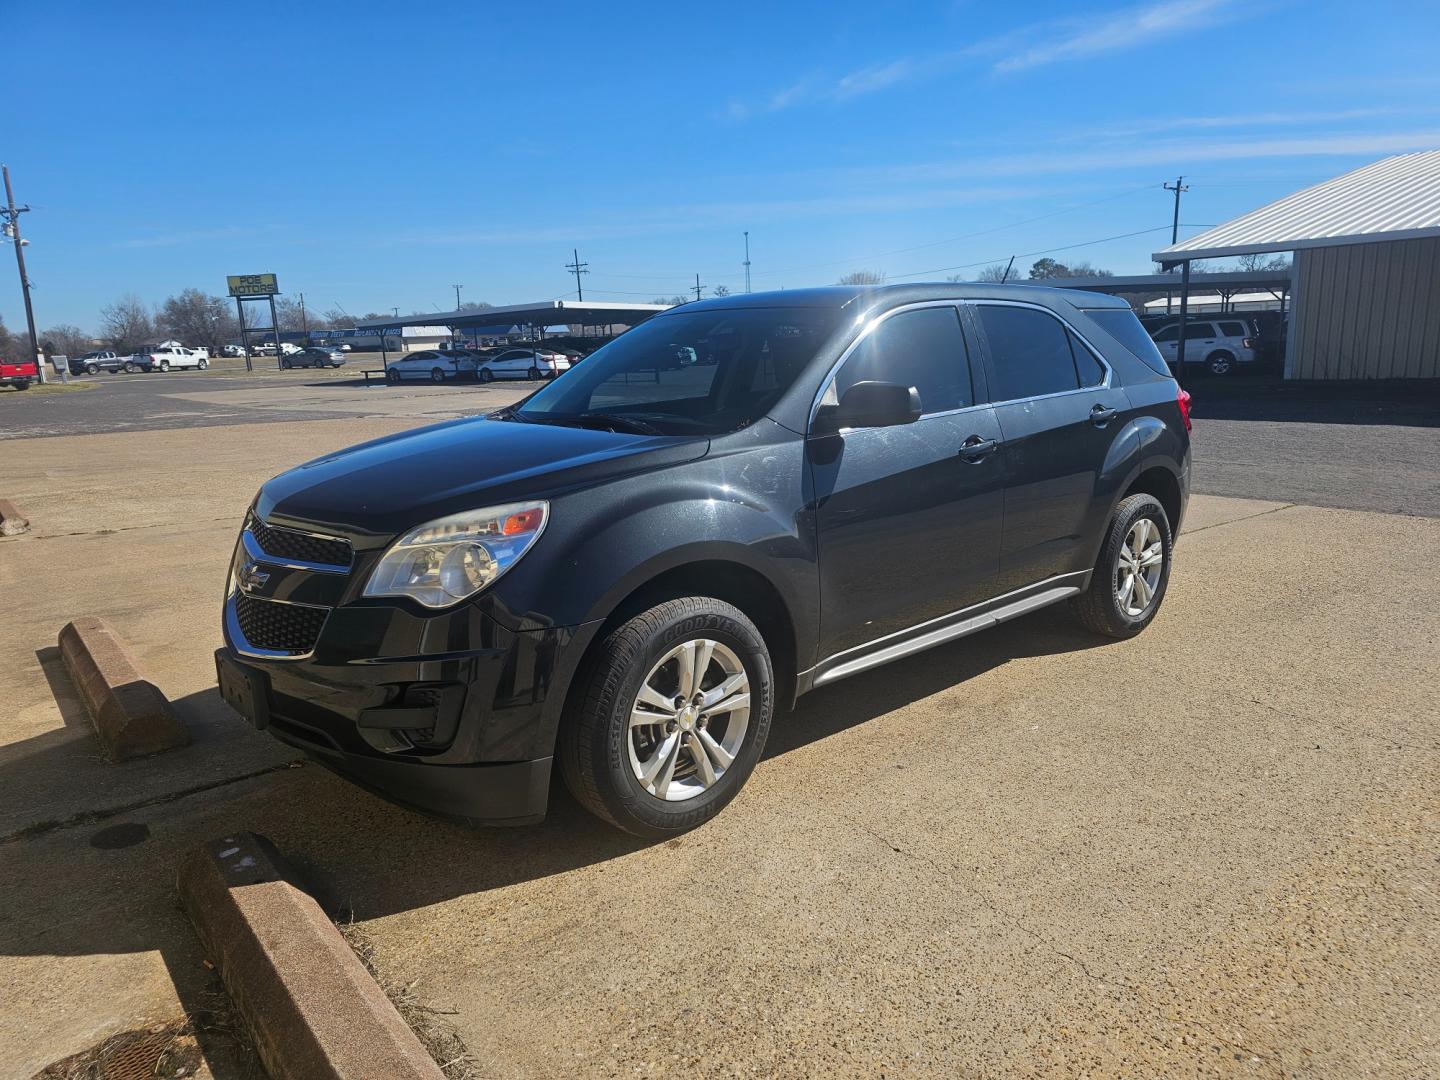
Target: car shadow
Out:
[104,885]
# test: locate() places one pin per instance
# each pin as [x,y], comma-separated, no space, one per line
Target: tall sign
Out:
[261,287]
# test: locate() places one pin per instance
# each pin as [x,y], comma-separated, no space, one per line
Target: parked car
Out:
[521,363]
[629,572]
[167,356]
[314,356]
[92,363]
[1220,342]
[18,373]
[263,348]
[431,364]
[140,361]
[232,350]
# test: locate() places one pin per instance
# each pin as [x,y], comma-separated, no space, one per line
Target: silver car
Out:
[1219,342]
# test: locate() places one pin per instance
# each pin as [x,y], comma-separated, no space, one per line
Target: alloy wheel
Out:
[689,720]
[1138,568]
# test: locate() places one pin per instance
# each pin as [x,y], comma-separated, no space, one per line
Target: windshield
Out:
[701,371]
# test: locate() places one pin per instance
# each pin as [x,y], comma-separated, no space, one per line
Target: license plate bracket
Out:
[244,689]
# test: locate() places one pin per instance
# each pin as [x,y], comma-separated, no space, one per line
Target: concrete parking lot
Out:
[1211,850]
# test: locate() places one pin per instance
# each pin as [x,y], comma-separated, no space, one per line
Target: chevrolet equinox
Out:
[740,500]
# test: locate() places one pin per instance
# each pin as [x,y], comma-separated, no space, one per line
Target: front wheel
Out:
[1133,570]
[485,375]
[392,377]
[671,718]
[437,375]
[92,369]
[285,364]
[533,374]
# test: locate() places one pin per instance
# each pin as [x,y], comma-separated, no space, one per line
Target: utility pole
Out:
[304,320]
[698,289]
[12,230]
[457,296]
[577,268]
[747,260]
[1178,187]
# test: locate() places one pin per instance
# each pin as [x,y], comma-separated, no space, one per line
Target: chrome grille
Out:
[290,544]
[277,627]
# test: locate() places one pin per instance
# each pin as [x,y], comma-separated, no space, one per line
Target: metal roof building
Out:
[1366,272]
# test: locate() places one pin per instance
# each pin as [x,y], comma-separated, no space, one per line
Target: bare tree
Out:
[126,324]
[198,318]
[720,290]
[672,301]
[1263,261]
[863,277]
[66,340]
[338,319]
[997,272]
[12,345]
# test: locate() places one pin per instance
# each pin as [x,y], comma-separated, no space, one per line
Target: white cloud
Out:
[1120,30]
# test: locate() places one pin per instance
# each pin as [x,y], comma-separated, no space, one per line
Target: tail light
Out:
[1248,343]
[1183,400]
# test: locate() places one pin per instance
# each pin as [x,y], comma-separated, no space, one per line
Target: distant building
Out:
[1366,272]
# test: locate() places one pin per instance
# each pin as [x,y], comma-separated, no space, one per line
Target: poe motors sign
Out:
[252,284]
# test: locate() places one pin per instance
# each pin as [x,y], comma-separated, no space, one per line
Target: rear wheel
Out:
[202,364]
[485,375]
[131,367]
[671,717]
[533,374]
[21,384]
[1219,363]
[164,365]
[1133,570]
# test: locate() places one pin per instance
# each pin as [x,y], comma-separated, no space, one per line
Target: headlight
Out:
[446,560]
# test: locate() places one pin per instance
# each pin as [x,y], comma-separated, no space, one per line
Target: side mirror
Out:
[870,404]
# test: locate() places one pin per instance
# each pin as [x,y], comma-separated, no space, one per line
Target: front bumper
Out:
[452,712]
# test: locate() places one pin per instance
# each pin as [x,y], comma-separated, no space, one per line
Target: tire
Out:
[92,369]
[164,365]
[1107,607]
[392,377]
[21,384]
[485,375]
[533,374]
[600,752]
[130,368]
[285,364]
[437,375]
[202,364]
[1219,364]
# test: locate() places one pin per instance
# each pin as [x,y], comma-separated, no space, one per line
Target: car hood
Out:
[375,490]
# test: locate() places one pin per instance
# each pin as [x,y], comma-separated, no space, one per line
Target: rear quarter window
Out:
[1124,327]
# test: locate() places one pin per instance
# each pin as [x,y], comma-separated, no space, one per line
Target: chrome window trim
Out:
[255,553]
[1104,384]
[869,328]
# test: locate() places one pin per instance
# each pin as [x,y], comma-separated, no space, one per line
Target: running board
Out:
[960,629]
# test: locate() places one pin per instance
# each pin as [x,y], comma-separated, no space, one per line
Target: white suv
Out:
[1218,341]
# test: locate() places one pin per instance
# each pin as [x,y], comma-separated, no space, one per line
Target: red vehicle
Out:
[19,374]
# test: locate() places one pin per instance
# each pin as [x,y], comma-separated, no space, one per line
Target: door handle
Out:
[975,449]
[1100,415]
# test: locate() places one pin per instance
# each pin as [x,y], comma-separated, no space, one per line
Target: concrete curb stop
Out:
[312,1009]
[12,521]
[131,716]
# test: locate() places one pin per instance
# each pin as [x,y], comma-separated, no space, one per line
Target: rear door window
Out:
[1029,352]
[1088,368]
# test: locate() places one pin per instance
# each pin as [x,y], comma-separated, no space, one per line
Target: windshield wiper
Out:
[612,421]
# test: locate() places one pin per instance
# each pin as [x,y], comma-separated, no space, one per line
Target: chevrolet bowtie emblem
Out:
[250,577]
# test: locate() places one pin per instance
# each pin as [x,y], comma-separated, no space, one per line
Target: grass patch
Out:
[56,387]
[431,1026]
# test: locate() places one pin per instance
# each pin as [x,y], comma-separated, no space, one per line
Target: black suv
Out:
[632,569]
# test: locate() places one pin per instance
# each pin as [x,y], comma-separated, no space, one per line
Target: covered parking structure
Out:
[535,318]
[1228,285]
[1366,269]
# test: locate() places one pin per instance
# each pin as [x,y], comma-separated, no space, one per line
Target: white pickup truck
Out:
[169,356]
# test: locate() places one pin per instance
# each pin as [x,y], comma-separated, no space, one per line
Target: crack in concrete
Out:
[1235,521]
[88,817]
[132,528]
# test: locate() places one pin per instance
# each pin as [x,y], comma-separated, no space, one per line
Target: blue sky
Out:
[374,154]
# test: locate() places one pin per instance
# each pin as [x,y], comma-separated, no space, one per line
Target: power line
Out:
[577,268]
[1027,254]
